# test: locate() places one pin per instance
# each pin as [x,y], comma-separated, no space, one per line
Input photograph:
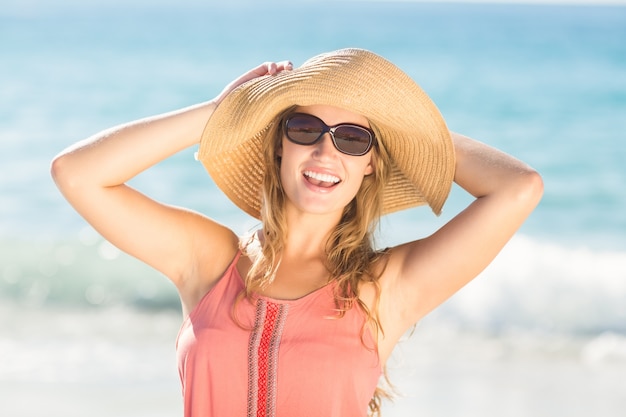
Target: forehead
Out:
[333,115]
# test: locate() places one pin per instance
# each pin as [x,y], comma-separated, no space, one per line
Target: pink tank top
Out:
[286,359]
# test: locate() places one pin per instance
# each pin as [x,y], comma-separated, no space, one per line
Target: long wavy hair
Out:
[350,248]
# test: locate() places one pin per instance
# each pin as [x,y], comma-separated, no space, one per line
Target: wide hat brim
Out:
[404,118]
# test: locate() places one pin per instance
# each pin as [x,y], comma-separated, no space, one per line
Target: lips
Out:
[321,180]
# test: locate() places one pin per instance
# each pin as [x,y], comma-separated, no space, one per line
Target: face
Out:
[318,178]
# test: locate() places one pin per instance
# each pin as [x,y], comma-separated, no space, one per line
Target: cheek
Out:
[288,158]
[287,149]
[367,165]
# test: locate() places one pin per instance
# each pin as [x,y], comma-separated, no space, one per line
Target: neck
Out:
[303,263]
[309,233]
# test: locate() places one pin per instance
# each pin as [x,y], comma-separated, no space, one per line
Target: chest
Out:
[281,354]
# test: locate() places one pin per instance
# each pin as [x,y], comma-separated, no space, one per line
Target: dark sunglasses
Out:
[306,129]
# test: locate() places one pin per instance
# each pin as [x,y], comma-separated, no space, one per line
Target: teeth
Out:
[322,177]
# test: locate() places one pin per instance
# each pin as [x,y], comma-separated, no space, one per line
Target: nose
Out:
[325,147]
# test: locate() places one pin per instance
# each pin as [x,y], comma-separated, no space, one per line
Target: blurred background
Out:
[84,329]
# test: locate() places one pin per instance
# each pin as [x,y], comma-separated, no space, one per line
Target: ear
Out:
[369,169]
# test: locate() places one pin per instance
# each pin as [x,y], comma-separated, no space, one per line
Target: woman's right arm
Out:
[190,249]
[92,175]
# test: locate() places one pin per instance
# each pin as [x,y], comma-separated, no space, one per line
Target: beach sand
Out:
[469,375]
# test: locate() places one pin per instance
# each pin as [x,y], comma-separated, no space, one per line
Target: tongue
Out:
[319,183]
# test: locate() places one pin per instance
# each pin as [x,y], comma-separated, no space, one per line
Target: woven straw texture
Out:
[404,118]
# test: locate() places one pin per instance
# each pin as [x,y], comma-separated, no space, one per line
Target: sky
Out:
[16,4]
[582,2]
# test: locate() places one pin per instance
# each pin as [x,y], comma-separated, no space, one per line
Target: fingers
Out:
[273,68]
[266,68]
[284,66]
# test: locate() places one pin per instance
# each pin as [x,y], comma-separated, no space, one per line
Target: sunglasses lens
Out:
[303,129]
[352,140]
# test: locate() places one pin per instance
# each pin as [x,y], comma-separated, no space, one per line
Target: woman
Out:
[300,319]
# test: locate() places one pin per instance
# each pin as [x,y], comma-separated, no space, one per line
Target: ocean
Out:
[84,329]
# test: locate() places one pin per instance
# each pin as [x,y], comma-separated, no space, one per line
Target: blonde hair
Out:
[350,247]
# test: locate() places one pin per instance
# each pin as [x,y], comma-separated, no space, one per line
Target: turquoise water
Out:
[545,83]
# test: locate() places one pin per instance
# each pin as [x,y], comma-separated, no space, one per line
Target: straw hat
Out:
[405,120]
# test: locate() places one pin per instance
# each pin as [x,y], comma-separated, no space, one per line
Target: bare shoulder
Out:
[388,299]
[390,270]
[214,247]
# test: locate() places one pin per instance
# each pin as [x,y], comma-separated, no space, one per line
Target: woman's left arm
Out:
[425,273]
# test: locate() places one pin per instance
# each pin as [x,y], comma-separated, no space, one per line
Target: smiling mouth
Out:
[321,180]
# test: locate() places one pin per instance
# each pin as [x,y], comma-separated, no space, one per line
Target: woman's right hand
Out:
[266,68]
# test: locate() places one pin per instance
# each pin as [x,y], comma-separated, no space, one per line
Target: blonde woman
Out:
[300,319]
